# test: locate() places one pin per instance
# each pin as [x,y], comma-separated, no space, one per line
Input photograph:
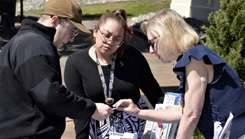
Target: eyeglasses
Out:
[117,41]
[152,41]
[73,32]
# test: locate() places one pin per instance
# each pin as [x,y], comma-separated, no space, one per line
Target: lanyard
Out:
[108,99]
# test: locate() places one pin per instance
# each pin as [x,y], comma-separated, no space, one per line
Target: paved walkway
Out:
[162,72]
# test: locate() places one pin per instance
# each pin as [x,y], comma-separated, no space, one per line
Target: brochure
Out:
[155,130]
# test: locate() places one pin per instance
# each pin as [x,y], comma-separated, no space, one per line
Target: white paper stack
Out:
[154,130]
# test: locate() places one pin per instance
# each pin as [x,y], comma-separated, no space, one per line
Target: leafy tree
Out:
[226,34]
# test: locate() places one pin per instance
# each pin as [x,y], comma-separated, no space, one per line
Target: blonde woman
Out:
[211,89]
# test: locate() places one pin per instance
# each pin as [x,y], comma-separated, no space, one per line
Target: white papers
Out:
[217,129]
[227,128]
[223,133]
[114,135]
[127,135]
[154,130]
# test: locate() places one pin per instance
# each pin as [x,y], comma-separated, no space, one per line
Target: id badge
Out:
[126,135]
[114,135]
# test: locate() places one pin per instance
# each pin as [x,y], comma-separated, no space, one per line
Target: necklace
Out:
[108,99]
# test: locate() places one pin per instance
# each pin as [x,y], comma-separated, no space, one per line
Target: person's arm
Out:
[165,116]
[36,67]
[43,82]
[74,83]
[196,83]
[148,83]
[56,99]
[72,76]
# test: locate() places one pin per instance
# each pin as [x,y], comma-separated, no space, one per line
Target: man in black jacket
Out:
[33,102]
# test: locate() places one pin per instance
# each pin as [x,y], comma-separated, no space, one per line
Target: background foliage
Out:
[226,34]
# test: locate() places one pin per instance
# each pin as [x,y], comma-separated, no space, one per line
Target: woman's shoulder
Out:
[80,53]
[199,52]
[132,51]
[79,56]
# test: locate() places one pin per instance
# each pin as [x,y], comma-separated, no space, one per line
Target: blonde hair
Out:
[175,35]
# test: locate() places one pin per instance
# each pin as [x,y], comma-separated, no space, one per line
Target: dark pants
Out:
[82,128]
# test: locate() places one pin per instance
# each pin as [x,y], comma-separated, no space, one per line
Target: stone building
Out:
[198,9]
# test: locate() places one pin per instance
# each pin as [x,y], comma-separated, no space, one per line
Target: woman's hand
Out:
[127,105]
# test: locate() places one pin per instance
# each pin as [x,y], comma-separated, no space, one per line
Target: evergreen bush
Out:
[226,34]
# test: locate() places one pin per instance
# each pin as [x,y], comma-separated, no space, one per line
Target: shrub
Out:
[226,34]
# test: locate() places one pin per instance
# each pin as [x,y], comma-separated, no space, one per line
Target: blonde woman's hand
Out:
[127,105]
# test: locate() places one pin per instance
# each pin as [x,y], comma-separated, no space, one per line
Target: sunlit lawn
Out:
[133,8]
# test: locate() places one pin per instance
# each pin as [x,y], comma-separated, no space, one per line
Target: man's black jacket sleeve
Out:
[38,71]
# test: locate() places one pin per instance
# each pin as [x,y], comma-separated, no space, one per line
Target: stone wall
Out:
[199,9]
[30,5]
[38,4]
[86,2]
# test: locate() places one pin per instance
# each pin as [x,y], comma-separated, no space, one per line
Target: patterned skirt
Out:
[118,122]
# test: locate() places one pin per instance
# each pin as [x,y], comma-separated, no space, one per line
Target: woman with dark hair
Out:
[107,72]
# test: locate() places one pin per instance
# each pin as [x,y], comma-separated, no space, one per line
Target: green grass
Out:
[133,8]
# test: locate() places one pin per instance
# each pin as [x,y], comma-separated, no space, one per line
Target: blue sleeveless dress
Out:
[224,94]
